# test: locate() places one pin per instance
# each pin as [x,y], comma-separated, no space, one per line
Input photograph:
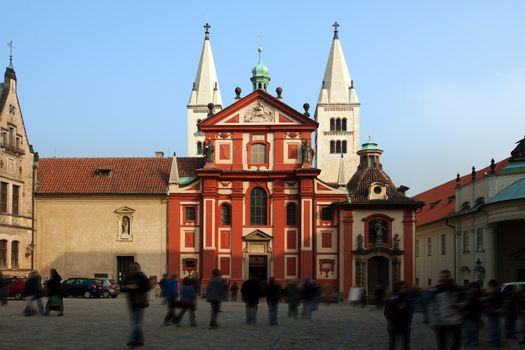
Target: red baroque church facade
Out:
[255,206]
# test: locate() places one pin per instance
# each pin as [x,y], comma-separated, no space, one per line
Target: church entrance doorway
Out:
[123,263]
[258,267]
[378,273]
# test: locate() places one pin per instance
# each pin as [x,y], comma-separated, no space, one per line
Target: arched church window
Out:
[343,150]
[258,155]
[343,124]
[332,124]
[3,252]
[291,214]
[225,214]
[258,205]
[332,146]
[14,253]
[338,124]
[199,147]
[338,147]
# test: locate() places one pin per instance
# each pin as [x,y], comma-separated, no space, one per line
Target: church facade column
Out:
[237,197]
[173,236]
[279,221]
[209,231]
[347,247]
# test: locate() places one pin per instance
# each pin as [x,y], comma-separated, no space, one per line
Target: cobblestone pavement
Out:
[103,324]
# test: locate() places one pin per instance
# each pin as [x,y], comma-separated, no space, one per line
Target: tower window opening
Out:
[338,147]
[199,147]
[332,146]
[332,125]
[343,150]
[343,124]
[338,124]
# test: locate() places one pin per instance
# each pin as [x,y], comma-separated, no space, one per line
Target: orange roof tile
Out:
[437,204]
[86,175]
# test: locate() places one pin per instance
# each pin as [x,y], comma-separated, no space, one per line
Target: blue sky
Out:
[442,84]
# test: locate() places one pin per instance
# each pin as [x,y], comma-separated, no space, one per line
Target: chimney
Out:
[159,154]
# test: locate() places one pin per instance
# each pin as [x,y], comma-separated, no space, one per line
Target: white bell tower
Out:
[337,112]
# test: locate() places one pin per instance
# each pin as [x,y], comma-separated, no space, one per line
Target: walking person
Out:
[273,298]
[215,295]
[510,311]
[363,298]
[398,313]
[136,284]
[171,291]
[379,294]
[250,296]
[54,294]
[188,296]
[308,294]
[4,283]
[234,289]
[472,314]
[162,285]
[33,291]
[446,317]
[493,307]
[293,297]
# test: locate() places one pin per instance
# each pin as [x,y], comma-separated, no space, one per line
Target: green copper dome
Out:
[260,74]
[370,145]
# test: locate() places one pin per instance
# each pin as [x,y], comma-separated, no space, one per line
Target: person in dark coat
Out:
[510,311]
[308,294]
[379,294]
[472,314]
[54,293]
[4,283]
[136,284]
[273,297]
[250,296]
[215,295]
[293,297]
[188,296]
[33,291]
[398,313]
[234,290]
[162,285]
[493,308]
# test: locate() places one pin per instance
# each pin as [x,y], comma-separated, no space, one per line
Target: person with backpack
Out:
[398,312]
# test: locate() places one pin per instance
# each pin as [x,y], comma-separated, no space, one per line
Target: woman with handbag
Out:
[54,293]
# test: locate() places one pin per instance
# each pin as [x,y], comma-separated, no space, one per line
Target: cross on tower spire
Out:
[336,31]
[11,47]
[207,31]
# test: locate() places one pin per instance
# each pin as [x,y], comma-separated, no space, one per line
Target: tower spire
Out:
[11,47]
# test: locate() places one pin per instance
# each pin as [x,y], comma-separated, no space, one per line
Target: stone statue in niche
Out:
[359,241]
[125,227]
[380,230]
[396,241]
[307,152]
[208,151]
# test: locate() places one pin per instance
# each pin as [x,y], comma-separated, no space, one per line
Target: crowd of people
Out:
[454,313]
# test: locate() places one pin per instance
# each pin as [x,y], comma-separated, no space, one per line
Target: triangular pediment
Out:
[124,210]
[258,109]
[257,235]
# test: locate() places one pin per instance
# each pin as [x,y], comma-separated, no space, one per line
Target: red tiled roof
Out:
[79,175]
[437,204]
[187,165]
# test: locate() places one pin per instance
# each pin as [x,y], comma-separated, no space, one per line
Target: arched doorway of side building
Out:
[378,271]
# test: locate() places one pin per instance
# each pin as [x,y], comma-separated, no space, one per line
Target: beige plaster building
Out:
[96,215]
[475,225]
[16,183]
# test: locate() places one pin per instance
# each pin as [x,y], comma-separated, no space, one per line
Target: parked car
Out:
[16,288]
[81,286]
[518,285]
[110,287]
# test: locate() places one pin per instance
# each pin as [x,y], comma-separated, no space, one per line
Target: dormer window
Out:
[377,190]
[104,172]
